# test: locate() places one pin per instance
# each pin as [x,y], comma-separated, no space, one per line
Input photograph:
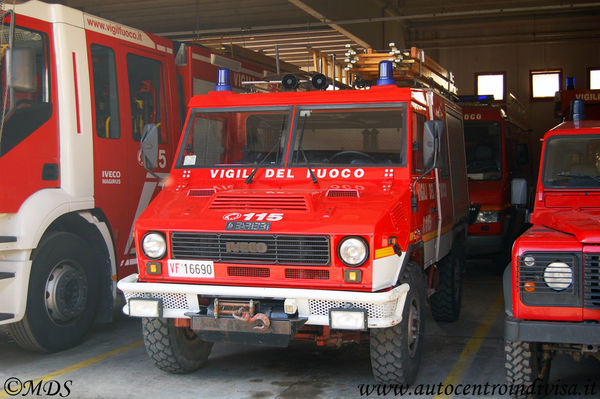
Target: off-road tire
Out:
[62,296]
[525,367]
[445,302]
[396,351]
[176,350]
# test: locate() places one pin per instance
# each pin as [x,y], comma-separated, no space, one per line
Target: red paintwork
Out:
[21,167]
[367,216]
[563,220]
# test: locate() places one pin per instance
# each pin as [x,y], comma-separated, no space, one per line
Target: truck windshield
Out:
[572,161]
[350,136]
[483,142]
[235,138]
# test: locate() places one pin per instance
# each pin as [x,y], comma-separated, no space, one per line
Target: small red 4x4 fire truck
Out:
[77,92]
[497,149]
[552,290]
[322,215]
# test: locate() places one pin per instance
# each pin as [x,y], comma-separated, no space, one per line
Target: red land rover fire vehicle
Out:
[78,92]
[552,290]
[497,150]
[320,215]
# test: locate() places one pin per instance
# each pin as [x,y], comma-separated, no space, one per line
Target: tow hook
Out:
[263,321]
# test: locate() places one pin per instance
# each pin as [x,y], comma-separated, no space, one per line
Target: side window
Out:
[418,121]
[147,95]
[106,98]
[31,107]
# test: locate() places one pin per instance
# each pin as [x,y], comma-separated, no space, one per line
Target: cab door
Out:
[147,102]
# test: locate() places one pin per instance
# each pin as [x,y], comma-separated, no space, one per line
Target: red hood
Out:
[583,224]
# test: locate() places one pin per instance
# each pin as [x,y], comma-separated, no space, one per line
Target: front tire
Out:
[396,351]
[173,349]
[62,296]
[526,366]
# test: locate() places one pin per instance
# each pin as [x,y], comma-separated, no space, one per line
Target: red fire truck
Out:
[497,150]
[552,290]
[77,92]
[327,216]
[564,98]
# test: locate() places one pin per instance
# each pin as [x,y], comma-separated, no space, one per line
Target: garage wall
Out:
[516,61]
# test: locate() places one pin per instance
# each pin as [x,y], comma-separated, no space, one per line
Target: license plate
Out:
[191,268]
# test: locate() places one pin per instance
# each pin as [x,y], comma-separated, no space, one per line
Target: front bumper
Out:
[558,332]
[384,309]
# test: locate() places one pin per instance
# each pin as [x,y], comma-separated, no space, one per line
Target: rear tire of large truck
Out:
[176,350]
[62,296]
[396,351]
[445,303]
[526,368]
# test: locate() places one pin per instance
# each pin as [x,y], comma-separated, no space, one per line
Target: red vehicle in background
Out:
[552,290]
[563,102]
[498,166]
[327,216]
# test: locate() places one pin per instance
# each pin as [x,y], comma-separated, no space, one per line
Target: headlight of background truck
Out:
[154,245]
[488,217]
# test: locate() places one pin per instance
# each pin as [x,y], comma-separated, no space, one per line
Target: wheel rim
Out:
[414,327]
[65,292]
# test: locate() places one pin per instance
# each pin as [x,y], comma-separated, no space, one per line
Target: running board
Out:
[6,316]
[5,275]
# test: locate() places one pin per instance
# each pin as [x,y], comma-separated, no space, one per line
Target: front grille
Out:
[252,248]
[238,271]
[259,202]
[307,274]
[592,281]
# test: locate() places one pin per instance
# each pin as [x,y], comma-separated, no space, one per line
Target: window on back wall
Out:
[594,78]
[490,84]
[545,83]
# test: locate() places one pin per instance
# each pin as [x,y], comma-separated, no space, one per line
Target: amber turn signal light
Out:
[352,276]
[529,286]
[153,268]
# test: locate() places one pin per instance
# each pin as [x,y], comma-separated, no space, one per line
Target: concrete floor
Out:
[112,362]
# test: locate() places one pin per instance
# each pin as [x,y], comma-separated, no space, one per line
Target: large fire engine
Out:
[77,93]
[497,150]
[327,216]
[552,290]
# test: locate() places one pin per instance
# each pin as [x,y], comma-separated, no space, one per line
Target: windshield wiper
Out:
[301,150]
[248,179]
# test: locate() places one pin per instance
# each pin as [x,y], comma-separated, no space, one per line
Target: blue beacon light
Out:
[223,80]
[386,74]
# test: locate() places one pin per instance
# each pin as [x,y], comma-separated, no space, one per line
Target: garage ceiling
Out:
[296,28]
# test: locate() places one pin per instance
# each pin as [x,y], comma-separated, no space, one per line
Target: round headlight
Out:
[558,276]
[353,251]
[154,245]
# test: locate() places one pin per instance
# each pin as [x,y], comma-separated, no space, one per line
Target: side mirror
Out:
[20,73]
[518,192]
[149,146]
[432,135]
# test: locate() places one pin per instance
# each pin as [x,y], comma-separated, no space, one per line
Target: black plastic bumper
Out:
[558,332]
